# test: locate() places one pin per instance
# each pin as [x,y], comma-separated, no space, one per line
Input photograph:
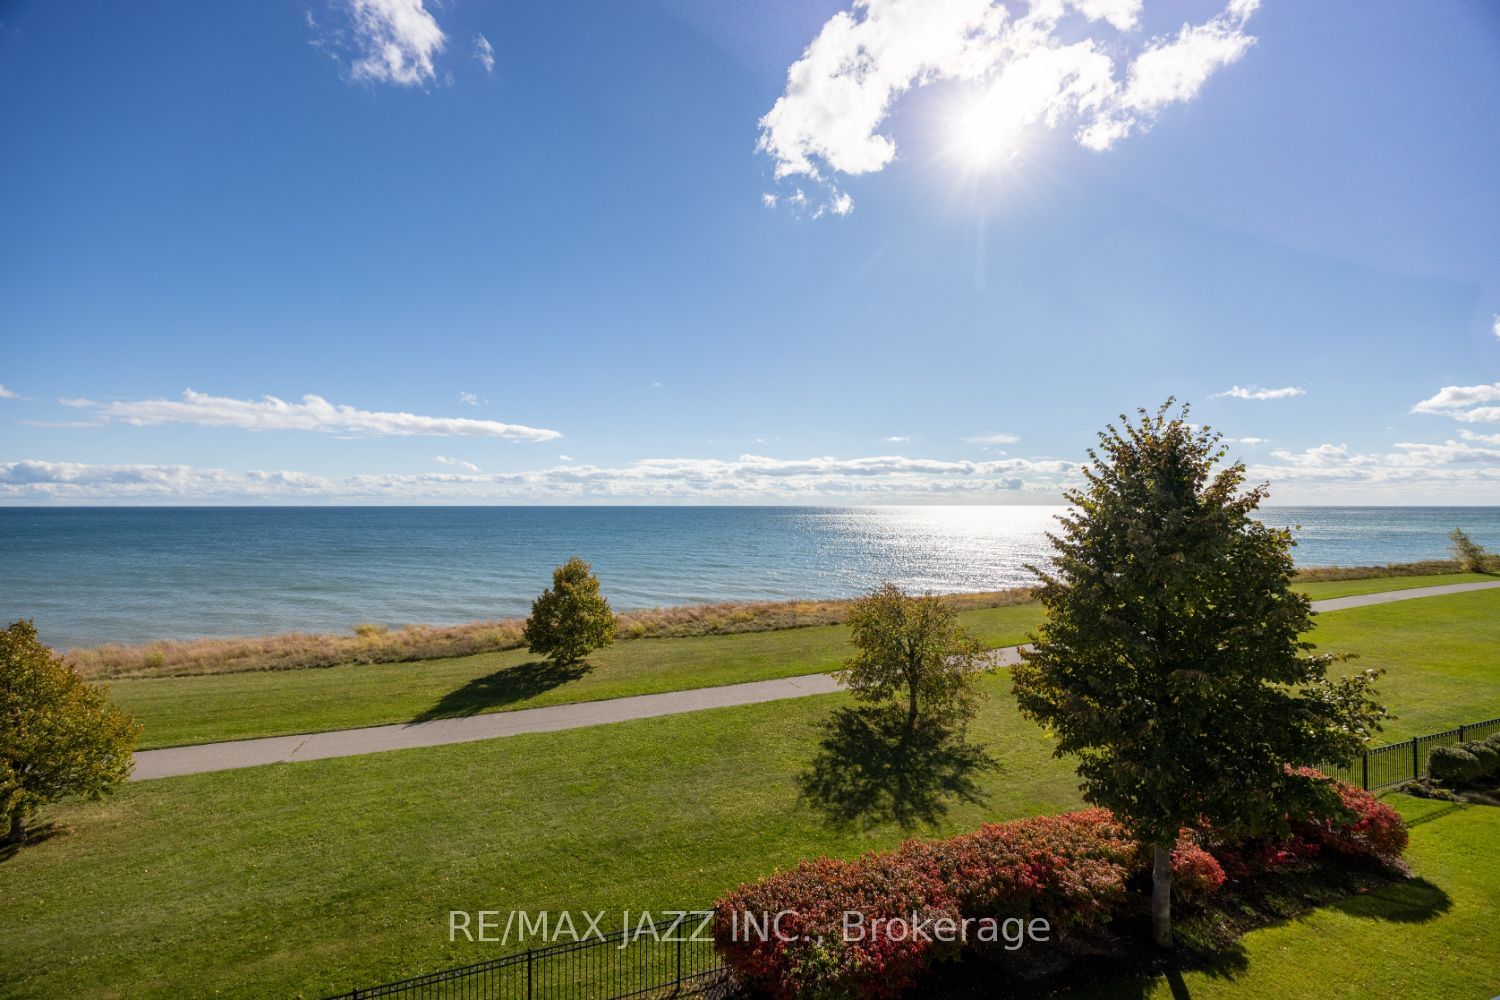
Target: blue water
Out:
[91,575]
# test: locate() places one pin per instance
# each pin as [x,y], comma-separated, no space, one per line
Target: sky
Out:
[695,251]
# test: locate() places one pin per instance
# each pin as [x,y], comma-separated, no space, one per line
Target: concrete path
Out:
[349,742]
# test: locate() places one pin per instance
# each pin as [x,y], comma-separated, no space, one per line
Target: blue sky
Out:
[675,251]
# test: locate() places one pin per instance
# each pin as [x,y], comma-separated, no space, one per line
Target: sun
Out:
[980,140]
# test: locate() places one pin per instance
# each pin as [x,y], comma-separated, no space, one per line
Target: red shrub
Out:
[806,951]
[1195,872]
[1070,869]
[1370,829]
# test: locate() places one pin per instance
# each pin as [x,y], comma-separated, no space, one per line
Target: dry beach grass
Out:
[371,643]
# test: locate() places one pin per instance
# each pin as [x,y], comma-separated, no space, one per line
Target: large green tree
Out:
[58,734]
[1171,661]
[911,651]
[572,618]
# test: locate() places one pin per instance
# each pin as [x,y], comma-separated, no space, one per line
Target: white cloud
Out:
[1250,440]
[314,413]
[1461,402]
[898,439]
[396,41]
[1496,327]
[1468,435]
[565,458]
[9,393]
[455,462]
[468,399]
[1255,392]
[485,53]
[993,439]
[748,477]
[1022,70]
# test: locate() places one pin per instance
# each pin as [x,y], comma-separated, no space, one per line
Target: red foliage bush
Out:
[1195,872]
[1370,828]
[1071,870]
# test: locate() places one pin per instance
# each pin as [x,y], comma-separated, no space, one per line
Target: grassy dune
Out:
[297,880]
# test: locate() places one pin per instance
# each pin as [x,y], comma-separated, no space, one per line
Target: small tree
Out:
[572,619]
[912,650]
[1471,556]
[58,735]
[1170,660]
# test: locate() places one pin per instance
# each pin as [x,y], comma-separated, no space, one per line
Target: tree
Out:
[1170,659]
[572,619]
[912,649]
[58,734]
[1471,556]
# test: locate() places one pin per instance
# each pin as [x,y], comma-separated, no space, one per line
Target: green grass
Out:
[310,878]
[179,710]
[1322,590]
[1441,656]
[1434,938]
[184,710]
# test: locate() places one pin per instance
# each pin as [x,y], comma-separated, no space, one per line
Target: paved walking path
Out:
[349,742]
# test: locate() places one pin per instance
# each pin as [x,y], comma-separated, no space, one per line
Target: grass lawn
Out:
[182,710]
[1441,656]
[1380,584]
[310,878]
[1437,937]
[179,710]
[305,879]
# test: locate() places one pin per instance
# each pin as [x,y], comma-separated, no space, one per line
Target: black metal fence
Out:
[609,966]
[1382,767]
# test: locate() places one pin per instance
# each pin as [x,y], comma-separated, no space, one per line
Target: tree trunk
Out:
[1161,896]
[911,707]
[17,828]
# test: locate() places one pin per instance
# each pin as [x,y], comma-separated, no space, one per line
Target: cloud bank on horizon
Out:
[841,92]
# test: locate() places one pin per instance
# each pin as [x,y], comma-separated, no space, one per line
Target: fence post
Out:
[1462,732]
[679,959]
[1364,771]
[1416,760]
[528,973]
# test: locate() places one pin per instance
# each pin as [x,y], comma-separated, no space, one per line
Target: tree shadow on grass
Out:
[870,769]
[35,834]
[504,687]
[1413,901]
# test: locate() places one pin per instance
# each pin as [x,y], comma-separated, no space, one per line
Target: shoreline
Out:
[375,643]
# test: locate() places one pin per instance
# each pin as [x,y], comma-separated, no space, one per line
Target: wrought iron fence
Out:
[609,966]
[1382,767]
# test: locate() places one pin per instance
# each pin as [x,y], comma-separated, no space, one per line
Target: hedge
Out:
[1071,869]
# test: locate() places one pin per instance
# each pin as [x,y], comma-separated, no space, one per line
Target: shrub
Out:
[1368,827]
[1469,554]
[1070,869]
[1488,756]
[1195,872]
[571,619]
[1453,765]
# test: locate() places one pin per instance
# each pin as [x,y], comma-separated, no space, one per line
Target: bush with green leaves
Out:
[1488,756]
[1453,765]
[1471,556]
[58,734]
[572,618]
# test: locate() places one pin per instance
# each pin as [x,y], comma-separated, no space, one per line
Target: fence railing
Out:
[608,966]
[1382,767]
